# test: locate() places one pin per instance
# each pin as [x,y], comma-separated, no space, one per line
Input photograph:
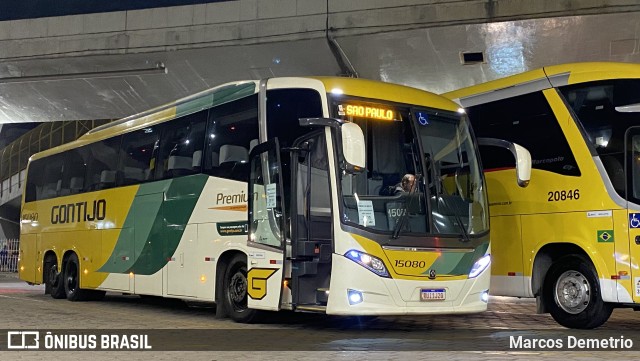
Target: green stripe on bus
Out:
[170,222]
[220,96]
[154,225]
[456,264]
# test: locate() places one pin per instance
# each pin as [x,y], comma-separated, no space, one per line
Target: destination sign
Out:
[367,111]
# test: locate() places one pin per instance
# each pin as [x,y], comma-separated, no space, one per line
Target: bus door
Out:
[265,244]
[311,226]
[632,155]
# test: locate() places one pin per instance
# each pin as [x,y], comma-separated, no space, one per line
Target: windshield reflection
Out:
[422,177]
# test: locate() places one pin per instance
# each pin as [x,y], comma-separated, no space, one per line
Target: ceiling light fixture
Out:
[159,68]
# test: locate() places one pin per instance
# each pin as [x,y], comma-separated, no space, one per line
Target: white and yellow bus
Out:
[572,238]
[268,195]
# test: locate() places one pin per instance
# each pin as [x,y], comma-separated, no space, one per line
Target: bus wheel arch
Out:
[52,276]
[545,258]
[231,287]
[568,287]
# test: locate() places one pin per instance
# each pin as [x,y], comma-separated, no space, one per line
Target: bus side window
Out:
[34,181]
[138,156]
[232,128]
[537,129]
[182,141]
[52,176]
[74,171]
[102,163]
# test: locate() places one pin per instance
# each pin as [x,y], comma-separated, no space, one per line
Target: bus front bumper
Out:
[358,291]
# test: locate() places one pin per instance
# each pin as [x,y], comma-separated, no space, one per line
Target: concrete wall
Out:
[259,21]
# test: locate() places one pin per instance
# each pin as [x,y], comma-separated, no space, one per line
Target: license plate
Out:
[437,294]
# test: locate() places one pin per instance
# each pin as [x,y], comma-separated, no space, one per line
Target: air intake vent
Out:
[472,58]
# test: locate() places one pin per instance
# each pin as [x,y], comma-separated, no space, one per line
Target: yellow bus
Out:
[283,193]
[572,238]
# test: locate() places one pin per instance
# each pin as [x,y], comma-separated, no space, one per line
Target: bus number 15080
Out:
[410,264]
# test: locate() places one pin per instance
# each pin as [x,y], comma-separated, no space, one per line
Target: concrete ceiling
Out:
[431,58]
[115,96]
[427,58]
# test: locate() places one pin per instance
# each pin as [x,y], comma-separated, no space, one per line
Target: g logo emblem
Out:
[257,282]
[432,274]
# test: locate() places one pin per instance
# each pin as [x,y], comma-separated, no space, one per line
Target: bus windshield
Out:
[606,109]
[422,174]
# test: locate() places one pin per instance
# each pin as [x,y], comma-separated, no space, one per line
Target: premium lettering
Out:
[79,212]
[222,198]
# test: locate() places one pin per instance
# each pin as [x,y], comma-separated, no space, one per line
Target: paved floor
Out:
[309,336]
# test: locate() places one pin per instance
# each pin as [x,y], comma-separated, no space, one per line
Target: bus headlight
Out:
[354,297]
[373,264]
[480,266]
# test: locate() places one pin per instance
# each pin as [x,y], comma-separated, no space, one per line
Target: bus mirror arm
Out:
[520,153]
[320,122]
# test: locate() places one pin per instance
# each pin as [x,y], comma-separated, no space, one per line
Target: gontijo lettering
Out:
[79,212]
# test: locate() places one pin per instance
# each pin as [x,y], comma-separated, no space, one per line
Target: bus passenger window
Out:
[138,155]
[537,129]
[52,177]
[181,140]
[101,156]
[231,129]
[74,171]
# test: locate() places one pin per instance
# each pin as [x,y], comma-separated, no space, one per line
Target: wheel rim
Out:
[572,292]
[237,291]
[72,277]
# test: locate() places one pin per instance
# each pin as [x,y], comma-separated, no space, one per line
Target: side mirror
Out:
[353,147]
[520,153]
[354,150]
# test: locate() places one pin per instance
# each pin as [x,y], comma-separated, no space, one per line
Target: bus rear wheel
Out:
[53,279]
[572,294]
[235,291]
[71,281]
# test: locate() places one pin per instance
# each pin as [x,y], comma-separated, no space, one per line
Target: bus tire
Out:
[572,294]
[53,279]
[72,280]
[235,291]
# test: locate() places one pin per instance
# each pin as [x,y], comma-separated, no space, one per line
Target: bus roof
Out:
[391,92]
[235,90]
[571,73]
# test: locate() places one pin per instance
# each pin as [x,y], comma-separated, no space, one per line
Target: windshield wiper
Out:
[463,230]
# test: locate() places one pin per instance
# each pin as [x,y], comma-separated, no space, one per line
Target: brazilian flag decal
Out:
[605,236]
[154,225]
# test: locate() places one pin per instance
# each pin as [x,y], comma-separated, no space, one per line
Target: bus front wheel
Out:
[235,291]
[572,294]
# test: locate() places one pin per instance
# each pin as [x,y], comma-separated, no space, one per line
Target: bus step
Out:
[322,295]
[311,308]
